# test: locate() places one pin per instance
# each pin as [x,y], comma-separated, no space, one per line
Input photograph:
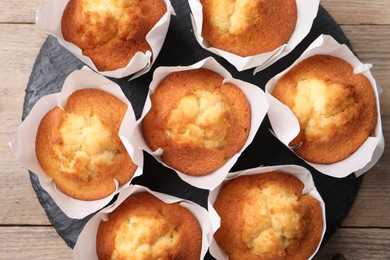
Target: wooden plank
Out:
[19,203]
[358,11]
[19,45]
[357,244]
[32,243]
[44,243]
[371,206]
[19,11]
[372,42]
[344,12]
[19,56]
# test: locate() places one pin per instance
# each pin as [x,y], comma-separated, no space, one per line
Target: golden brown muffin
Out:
[79,147]
[248,27]
[197,120]
[144,227]
[336,109]
[111,32]
[265,216]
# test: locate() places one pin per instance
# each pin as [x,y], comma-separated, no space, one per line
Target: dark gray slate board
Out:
[54,63]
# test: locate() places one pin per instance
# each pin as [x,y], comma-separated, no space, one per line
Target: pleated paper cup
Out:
[286,127]
[306,12]
[23,143]
[298,172]
[85,247]
[48,19]
[258,106]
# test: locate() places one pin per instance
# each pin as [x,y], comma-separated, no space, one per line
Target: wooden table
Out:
[26,233]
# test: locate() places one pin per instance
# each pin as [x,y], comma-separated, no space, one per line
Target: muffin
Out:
[144,227]
[248,27]
[198,121]
[79,147]
[110,32]
[265,216]
[336,108]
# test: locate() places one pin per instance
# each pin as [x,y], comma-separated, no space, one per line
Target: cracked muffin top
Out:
[248,27]
[265,216]
[336,108]
[79,146]
[199,121]
[110,32]
[144,227]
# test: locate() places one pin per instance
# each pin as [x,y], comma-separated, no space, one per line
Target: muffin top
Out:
[248,27]
[79,146]
[265,216]
[144,227]
[199,121]
[111,32]
[336,108]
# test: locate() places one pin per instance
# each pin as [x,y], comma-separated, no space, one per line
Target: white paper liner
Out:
[23,142]
[49,16]
[306,12]
[299,172]
[258,105]
[85,247]
[286,126]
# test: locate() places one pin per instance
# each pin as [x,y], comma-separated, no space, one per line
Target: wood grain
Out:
[20,55]
[358,12]
[357,243]
[32,243]
[371,206]
[372,42]
[19,11]
[24,230]
[345,12]
[19,203]
[44,243]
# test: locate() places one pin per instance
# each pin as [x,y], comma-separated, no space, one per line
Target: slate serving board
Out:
[54,63]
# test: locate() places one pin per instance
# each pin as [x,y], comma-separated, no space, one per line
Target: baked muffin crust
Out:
[248,27]
[197,120]
[265,216]
[110,32]
[79,147]
[143,227]
[336,109]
